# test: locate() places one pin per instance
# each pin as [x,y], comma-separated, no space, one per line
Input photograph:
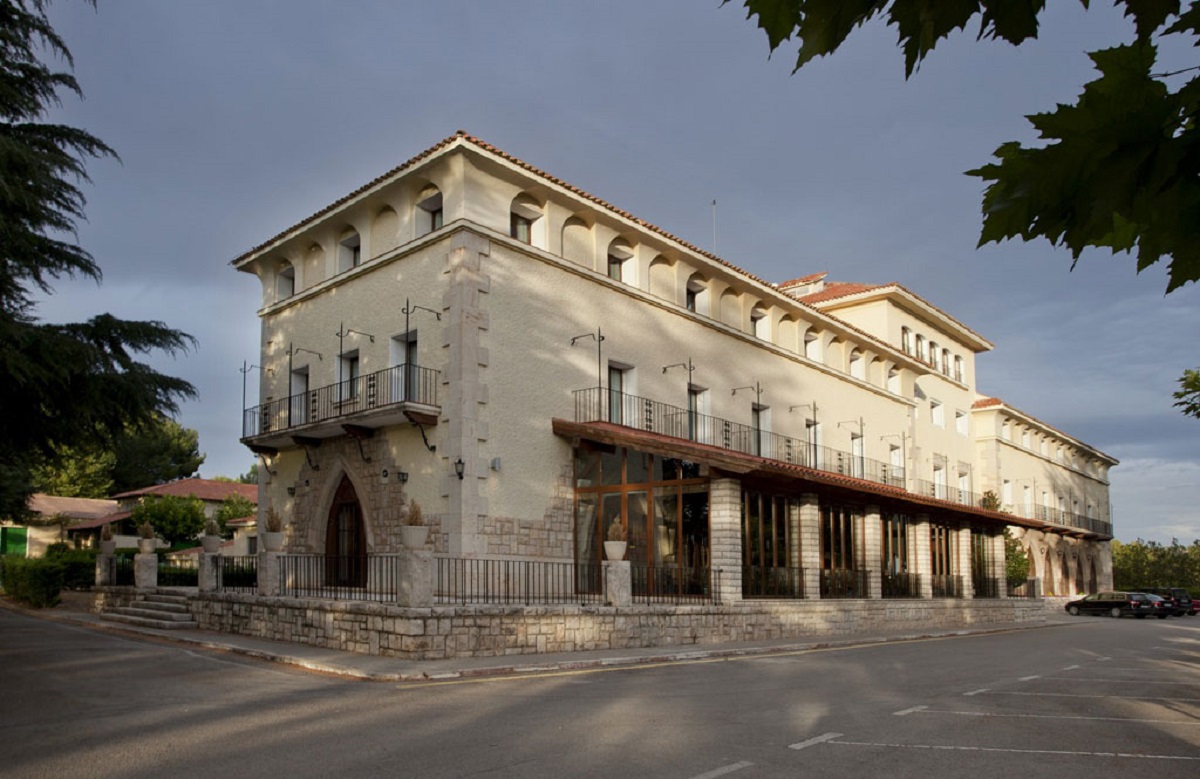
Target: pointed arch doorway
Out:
[345,539]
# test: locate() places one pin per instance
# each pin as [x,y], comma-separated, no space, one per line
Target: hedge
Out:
[35,582]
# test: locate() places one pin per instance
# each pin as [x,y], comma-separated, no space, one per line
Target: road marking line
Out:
[925,710]
[723,770]
[1120,681]
[1071,668]
[1016,751]
[821,739]
[1028,678]
[1078,695]
[974,692]
[906,712]
[1103,659]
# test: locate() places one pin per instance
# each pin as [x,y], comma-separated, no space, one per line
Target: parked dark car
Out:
[1181,602]
[1119,604]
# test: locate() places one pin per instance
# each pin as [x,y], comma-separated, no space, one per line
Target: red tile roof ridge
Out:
[204,489]
[802,280]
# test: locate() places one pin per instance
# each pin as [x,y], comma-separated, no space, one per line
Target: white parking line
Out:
[1028,678]
[1016,751]
[1071,667]
[821,739]
[1117,681]
[974,692]
[1080,695]
[723,770]
[909,711]
[926,710]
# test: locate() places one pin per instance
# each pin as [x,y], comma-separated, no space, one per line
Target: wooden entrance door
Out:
[345,540]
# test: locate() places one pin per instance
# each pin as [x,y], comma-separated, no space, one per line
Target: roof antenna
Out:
[714,206]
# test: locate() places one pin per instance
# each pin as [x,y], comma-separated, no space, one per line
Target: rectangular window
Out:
[690,299]
[921,348]
[615,267]
[857,465]
[616,394]
[946,361]
[906,340]
[521,228]
[958,369]
[937,413]
[403,375]
[348,384]
[435,219]
[1006,493]
[939,482]
[960,422]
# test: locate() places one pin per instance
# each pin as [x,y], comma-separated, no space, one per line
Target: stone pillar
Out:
[268,573]
[463,392]
[725,521]
[963,566]
[618,583]
[414,579]
[999,572]
[873,551]
[810,544]
[104,570]
[209,573]
[922,564]
[145,571]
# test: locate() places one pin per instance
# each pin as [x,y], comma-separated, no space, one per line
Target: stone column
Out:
[999,571]
[145,571]
[209,574]
[104,570]
[464,390]
[414,579]
[873,551]
[618,583]
[810,544]
[725,521]
[922,565]
[963,565]
[268,573]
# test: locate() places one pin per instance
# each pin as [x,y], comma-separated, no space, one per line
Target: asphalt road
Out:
[1096,698]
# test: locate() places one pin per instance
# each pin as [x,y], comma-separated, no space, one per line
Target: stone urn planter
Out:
[414,536]
[211,544]
[108,546]
[147,545]
[615,550]
[272,540]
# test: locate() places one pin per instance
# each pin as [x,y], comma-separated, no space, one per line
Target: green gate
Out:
[12,540]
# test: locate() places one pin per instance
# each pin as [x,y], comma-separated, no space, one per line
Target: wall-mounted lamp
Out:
[495,463]
[459,465]
[291,492]
[402,476]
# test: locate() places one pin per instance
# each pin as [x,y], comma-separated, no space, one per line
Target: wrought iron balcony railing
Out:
[395,386]
[597,404]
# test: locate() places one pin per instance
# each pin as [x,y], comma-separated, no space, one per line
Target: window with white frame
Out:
[921,348]
[285,281]
[697,294]
[946,362]
[937,413]
[348,374]
[1006,493]
[619,254]
[933,354]
[906,340]
[960,422]
[429,211]
[349,251]
[958,369]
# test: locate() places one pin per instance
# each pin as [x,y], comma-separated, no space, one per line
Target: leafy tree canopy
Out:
[157,452]
[234,507]
[1119,169]
[176,520]
[65,385]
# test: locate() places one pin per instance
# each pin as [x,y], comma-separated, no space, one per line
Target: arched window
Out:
[662,278]
[760,326]
[349,250]
[285,281]
[697,295]
[785,335]
[619,255]
[893,380]
[858,366]
[525,221]
[906,340]
[428,215]
[812,345]
[577,242]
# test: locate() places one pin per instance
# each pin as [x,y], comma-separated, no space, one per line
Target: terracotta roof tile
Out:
[987,403]
[204,489]
[803,280]
[836,290]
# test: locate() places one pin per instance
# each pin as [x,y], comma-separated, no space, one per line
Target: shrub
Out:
[36,582]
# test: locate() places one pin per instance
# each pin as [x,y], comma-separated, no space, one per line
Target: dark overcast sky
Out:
[236,119]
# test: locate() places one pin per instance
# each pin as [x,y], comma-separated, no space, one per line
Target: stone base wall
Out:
[112,597]
[492,631]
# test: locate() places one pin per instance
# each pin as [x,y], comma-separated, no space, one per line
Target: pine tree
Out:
[60,384]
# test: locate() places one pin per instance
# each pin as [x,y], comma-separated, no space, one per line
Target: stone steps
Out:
[164,610]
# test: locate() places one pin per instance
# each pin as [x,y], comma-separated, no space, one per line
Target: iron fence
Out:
[237,574]
[763,582]
[340,577]
[946,585]
[178,572]
[518,582]
[672,584]
[900,585]
[985,587]
[388,387]
[842,583]
[596,404]
[121,570]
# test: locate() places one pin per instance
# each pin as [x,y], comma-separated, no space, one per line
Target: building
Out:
[533,365]
[51,515]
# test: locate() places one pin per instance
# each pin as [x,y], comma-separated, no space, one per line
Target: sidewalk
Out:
[392,669]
